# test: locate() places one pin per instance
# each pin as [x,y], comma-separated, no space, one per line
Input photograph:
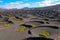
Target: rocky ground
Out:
[11,33]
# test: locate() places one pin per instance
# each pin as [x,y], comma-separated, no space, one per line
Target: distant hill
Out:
[48,7]
[48,12]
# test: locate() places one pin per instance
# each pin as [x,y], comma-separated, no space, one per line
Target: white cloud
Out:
[49,2]
[17,5]
[45,3]
[21,4]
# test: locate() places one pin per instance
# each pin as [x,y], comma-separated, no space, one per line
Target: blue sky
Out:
[9,4]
